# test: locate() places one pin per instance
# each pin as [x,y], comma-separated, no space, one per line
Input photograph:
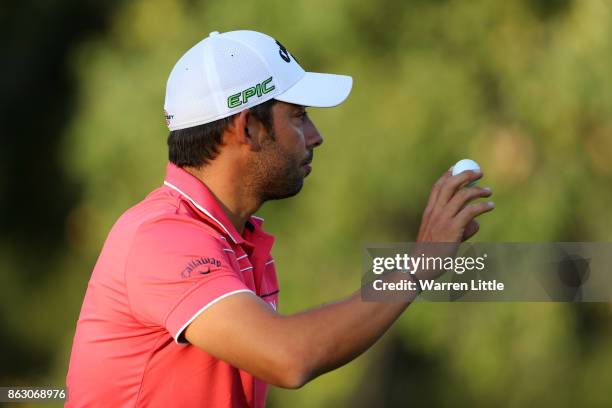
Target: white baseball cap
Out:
[226,73]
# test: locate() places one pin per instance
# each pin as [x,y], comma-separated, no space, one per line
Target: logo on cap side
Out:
[258,90]
[168,117]
[284,54]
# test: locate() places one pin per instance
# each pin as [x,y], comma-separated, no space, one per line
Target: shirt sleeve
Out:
[176,269]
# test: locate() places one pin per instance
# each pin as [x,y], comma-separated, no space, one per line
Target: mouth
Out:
[307,166]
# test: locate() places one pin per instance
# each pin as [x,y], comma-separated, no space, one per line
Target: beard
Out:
[282,187]
[280,178]
[278,174]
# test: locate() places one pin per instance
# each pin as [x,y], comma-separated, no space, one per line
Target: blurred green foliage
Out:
[523,87]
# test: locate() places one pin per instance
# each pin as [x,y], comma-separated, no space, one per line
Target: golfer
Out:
[182,306]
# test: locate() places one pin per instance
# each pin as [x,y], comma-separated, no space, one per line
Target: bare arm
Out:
[289,351]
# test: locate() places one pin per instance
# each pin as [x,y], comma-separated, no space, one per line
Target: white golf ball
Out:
[464,165]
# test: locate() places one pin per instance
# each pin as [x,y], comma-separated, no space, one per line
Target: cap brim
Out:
[318,90]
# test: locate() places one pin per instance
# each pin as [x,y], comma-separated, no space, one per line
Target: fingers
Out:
[435,191]
[449,216]
[464,196]
[453,183]
[470,230]
[473,210]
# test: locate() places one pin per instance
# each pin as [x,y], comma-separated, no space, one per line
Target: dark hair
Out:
[198,145]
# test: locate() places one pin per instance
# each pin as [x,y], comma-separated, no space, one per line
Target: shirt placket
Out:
[245,267]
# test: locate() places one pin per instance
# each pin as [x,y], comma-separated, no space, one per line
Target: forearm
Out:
[289,351]
[330,336]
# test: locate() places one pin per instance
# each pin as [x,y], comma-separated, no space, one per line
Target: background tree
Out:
[522,87]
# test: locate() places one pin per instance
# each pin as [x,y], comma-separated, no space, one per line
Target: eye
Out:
[303,115]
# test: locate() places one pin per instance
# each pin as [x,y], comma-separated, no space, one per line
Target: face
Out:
[286,153]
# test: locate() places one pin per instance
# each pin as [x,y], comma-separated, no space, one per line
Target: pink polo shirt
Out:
[165,261]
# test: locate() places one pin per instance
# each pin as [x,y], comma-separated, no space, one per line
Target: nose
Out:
[311,135]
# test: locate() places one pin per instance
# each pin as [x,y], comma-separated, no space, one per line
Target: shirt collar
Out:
[198,194]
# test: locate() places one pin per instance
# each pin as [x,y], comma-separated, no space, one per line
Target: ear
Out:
[252,130]
[246,130]
[238,130]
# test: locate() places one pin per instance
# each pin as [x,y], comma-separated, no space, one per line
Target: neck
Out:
[230,192]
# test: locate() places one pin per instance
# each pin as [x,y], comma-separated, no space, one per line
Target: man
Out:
[181,307]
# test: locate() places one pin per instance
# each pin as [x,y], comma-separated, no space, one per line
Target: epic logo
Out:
[243,97]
